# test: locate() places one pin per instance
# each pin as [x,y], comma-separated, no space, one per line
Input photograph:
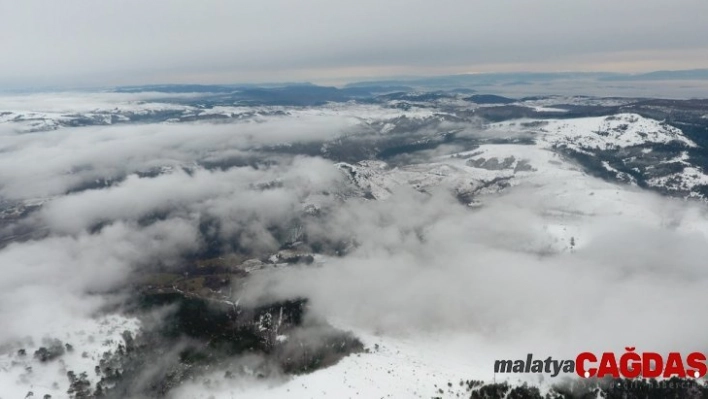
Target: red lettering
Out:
[630,364]
[647,370]
[697,362]
[674,366]
[580,365]
[608,365]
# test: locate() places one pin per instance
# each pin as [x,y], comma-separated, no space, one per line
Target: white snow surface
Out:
[608,133]
[617,131]
[90,338]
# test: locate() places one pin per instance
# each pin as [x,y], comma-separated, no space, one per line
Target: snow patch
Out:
[88,340]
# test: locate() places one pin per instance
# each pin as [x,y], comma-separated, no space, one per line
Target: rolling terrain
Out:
[304,241]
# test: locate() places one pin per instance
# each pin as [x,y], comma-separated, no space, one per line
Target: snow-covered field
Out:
[89,339]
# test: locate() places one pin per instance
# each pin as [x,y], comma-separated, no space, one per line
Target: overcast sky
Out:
[86,42]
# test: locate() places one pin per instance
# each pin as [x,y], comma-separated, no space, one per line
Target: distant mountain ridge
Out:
[690,74]
[531,83]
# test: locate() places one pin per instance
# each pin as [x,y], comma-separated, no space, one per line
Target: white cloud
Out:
[50,163]
[430,264]
[47,282]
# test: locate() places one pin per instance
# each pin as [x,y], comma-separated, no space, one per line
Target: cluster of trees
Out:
[51,350]
[587,389]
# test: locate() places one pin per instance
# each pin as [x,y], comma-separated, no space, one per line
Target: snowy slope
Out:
[616,131]
[470,172]
[601,137]
[89,340]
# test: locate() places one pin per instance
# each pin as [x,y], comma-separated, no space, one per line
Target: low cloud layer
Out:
[76,157]
[430,264]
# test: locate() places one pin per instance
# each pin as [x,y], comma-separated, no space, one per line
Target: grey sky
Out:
[80,42]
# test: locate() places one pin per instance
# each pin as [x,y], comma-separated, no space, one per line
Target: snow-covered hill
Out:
[493,167]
